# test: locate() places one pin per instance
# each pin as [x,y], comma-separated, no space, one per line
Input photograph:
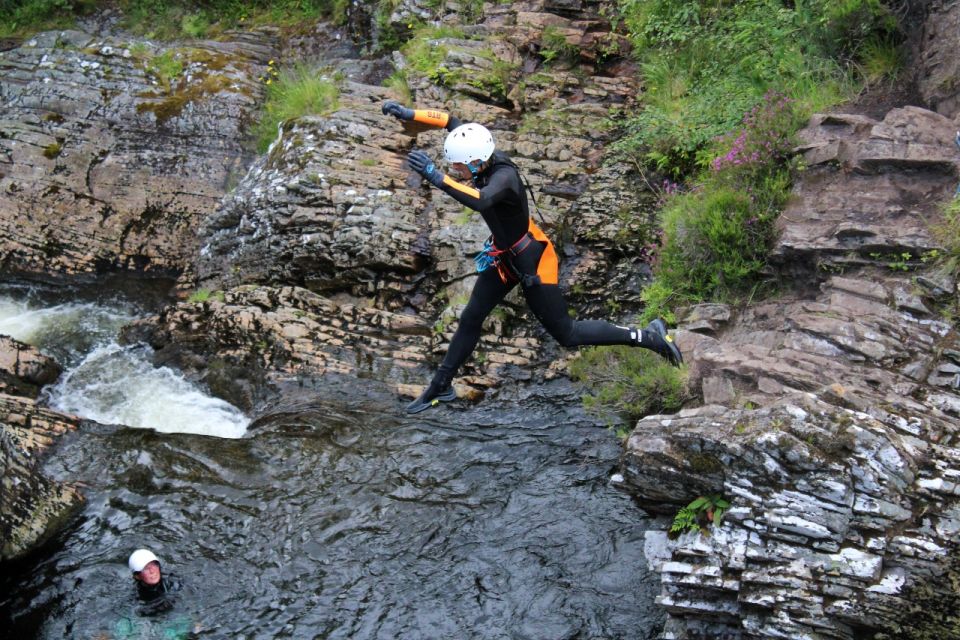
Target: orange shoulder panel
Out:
[470,191]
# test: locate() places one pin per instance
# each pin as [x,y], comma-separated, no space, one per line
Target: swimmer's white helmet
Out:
[141,558]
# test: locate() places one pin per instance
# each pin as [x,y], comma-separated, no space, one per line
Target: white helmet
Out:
[141,558]
[467,143]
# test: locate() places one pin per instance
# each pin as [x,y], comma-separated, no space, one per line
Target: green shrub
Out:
[555,48]
[29,16]
[705,63]
[167,20]
[629,383]
[195,25]
[427,51]
[294,93]
[165,67]
[947,233]
[716,236]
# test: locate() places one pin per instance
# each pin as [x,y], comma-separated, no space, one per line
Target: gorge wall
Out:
[828,416]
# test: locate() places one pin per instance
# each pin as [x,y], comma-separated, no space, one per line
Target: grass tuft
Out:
[293,93]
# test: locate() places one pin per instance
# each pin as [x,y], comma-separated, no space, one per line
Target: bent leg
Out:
[548,304]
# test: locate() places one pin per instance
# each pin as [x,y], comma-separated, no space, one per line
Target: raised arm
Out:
[429,117]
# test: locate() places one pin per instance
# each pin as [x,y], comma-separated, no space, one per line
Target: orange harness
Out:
[547,268]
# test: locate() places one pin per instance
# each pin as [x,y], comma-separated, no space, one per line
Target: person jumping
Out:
[518,252]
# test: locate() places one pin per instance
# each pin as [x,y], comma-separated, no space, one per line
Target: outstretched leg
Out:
[487,293]
[547,303]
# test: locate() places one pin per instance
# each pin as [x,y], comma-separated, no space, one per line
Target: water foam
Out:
[110,383]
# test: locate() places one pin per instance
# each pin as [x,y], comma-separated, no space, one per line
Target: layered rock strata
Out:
[112,150]
[32,507]
[831,414]
[332,207]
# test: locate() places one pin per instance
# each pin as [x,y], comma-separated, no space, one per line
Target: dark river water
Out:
[341,517]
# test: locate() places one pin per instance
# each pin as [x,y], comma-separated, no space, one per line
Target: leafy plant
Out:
[902,261]
[164,67]
[195,25]
[947,233]
[427,53]
[716,235]
[555,48]
[699,515]
[204,295]
[704,64]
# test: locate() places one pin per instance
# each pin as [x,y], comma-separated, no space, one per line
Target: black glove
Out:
[422,164]
[397,110]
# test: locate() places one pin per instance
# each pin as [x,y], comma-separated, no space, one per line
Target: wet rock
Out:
[23,369]
[32,507]
[332,207]
[827,503]
[258,336]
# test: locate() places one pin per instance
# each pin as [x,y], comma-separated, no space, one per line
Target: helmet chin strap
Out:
[474,167]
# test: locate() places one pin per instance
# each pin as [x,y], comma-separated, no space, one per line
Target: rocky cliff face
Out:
[112,150]
[831,414]
[332,211]
[32,507]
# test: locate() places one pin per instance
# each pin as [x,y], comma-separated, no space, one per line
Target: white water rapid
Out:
[108,382]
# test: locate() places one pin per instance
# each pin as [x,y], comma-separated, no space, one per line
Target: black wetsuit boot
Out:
[439,390]
[654,337]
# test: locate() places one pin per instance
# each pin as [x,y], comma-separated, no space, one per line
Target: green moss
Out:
[172,105]
[204,295]
[52,150]
[704,463]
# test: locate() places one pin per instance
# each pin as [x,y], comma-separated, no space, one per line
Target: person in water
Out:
[153,589]
[155,594]
[518,252]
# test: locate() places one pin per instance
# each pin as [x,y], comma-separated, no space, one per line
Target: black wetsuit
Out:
[499,196]
[158,597]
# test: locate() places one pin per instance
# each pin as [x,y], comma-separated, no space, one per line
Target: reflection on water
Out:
[351,520]
[104,381]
